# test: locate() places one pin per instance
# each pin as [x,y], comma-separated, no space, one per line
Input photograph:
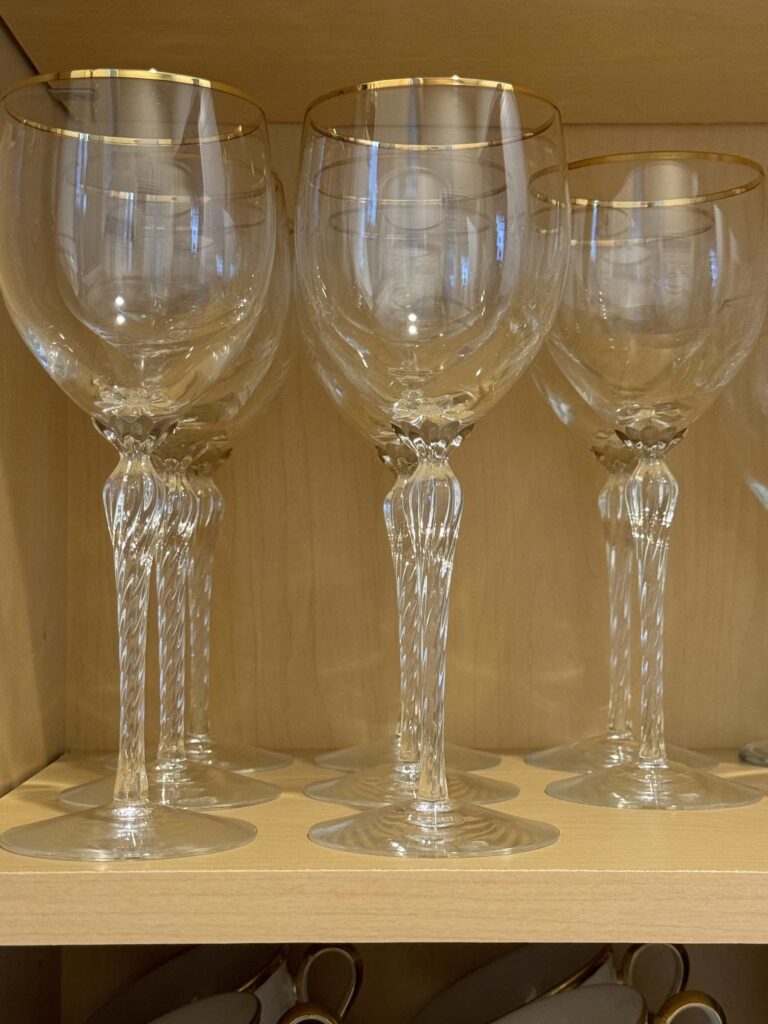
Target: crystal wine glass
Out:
[655,320]
[431,287]
[387,753]
[395,774]
[744,416]
[617,744]
[212,438]
[394,759]
[202,435]
[138,228]
[225,426]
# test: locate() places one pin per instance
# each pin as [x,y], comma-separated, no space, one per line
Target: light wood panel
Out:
[612,876]
[32,562]
[304,630]
[606,60]
[33,455]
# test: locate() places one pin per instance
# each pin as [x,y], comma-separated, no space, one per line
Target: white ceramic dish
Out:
[523,974]
[229,1008]
[189,976]
[592,1004]
[614,1004]
[205,971]
[531,971]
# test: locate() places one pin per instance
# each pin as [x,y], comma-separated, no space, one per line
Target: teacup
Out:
[278,991]
[205,971]
[675,1007]
[531,971]
[611,1004]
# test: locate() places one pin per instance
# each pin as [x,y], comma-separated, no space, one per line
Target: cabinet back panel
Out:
[304,633]
[605,60]
[33,551]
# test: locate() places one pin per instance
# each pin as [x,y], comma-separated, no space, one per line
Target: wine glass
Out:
[138,239]
[202,435]
[430,287]
[617,744]
[397,754]
[394,775]
[214,436]
[744,416]
[202,746]
[656,318]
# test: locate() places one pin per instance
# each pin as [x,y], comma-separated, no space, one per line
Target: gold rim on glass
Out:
[404,204]
[256,190]
[87,74]
[454,80]
[681,154]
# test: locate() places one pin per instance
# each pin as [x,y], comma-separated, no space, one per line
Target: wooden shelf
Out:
[613,876]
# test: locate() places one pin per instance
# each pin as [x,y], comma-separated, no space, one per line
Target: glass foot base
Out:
[127,833]
[235,757]
[384,752]
[421,830]
[598,752]
[188,785]
[230,757]
[379,787]
[755,753]
[670,786]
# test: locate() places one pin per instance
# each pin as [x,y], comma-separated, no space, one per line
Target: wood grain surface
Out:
[33,542]
[612,876]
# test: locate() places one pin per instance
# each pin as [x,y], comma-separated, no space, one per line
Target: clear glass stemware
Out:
[744,417]
[663,301]
[618,743]
[397,777]
[388,771]
[178,776]
[391,760]
[138,232]
[428,284]
[243,397]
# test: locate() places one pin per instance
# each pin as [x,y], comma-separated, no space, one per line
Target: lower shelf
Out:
[613,876]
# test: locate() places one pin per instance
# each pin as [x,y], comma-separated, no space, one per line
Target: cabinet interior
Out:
[304,620]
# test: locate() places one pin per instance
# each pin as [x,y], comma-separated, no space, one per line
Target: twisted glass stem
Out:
[651,497]
[210,512]
[133,497]
[614,513]
[432,505]
[408,744]
[179,515]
